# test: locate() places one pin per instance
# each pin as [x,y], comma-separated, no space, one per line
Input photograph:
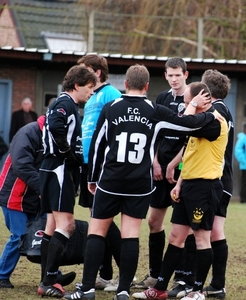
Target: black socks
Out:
[56,247]
[128,263]
[172,257]
[156,247]
[94,253]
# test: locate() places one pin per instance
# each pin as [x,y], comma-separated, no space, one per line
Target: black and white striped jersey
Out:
[122,147]
[62,129]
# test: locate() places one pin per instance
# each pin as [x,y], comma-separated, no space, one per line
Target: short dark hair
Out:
[218,83]
[137,76]
[96,62]
[79,75]
[176,62]
[196,87]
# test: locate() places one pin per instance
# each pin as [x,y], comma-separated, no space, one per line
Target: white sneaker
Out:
[113,287]
[197,295]
[147,282]
[101,283]
[122,296]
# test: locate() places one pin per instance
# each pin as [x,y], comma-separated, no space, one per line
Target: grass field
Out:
[26,275]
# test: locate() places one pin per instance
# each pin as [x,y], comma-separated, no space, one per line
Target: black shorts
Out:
[199,201]
[161,196]
[107,205]
[224,202]
[56,186]
[85,197]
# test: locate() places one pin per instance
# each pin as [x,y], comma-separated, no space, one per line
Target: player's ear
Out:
[186,74]
[76,86]
[146,86]
[126,84]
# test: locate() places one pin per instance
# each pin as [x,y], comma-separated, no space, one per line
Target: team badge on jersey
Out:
[181,108]
[62,110]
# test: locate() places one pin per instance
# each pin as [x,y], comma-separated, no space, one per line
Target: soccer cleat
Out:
[78,294]
[151,294]
[211,292]
[147,282]
[179,290]
[197,295]
[78,285]
[66,279]
[55,290]
[101,283]
[121,296]
[6,284]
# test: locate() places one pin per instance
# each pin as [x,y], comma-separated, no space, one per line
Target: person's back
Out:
[127,128]
[21,167]
[19,191]
[127,160]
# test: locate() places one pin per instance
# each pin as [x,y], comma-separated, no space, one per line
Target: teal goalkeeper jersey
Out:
[92,109]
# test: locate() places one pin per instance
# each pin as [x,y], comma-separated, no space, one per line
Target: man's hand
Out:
[72,160]
[175,193]
[92,188]
[157,171]
[202,100]
[219,117]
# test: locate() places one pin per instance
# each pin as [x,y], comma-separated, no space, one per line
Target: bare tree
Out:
[170,28]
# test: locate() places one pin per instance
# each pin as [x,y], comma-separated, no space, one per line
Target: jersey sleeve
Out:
[97,148]
[184,124]
[57,122]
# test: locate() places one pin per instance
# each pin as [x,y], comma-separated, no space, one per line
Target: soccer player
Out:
[219,85]
[62,160]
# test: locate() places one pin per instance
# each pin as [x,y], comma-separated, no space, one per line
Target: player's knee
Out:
[155,225]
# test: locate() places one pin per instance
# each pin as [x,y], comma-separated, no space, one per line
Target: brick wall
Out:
[23,84]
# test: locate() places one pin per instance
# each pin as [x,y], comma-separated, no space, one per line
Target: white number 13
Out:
[136,156]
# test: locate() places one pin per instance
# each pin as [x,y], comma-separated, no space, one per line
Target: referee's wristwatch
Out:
[193,103]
